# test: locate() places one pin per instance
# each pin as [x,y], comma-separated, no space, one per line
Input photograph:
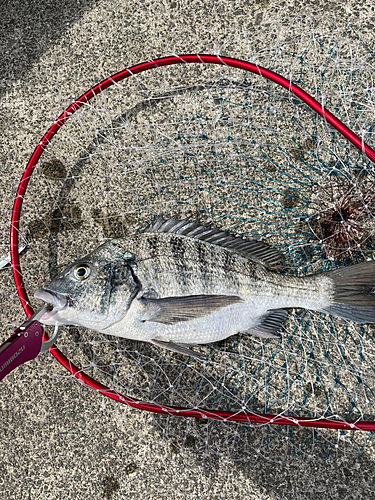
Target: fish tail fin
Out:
[353,292]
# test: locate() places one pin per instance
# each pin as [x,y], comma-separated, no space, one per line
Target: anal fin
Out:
[270,326]
[180,349]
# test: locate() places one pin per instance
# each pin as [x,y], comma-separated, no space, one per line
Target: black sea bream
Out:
[180,283]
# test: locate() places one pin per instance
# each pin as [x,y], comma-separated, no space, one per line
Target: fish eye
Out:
[81,272]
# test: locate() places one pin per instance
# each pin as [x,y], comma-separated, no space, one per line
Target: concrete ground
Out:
[60,440]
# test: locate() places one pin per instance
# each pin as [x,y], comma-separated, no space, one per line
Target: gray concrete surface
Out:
[60,440]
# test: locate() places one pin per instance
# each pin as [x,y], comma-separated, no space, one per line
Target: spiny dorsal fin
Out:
[252,249]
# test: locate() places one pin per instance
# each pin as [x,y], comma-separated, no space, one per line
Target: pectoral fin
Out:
[175,309]
[179,348]
[270,326]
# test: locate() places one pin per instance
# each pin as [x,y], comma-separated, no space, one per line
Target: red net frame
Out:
[246,417]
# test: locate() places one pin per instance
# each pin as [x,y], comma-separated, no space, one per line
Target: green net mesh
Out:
[234,150]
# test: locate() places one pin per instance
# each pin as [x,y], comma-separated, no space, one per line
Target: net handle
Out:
[14,229]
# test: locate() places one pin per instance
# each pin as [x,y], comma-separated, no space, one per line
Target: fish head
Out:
[95,291]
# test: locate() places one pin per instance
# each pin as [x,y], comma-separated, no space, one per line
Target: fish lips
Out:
[56,299]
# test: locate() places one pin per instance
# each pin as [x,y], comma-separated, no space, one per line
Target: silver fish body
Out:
[180,283]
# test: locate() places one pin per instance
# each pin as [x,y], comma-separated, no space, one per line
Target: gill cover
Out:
[99,288]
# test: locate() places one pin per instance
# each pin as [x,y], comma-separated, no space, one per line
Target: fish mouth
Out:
[56,299]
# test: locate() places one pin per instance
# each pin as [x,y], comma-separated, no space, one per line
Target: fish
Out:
[180,284]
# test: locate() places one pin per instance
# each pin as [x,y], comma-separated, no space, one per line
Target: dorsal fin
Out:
[252,249]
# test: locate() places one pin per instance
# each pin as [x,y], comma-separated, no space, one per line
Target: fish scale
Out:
[200,275]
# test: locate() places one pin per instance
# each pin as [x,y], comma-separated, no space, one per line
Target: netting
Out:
[234,150]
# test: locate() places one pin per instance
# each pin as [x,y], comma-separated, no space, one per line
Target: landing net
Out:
[235,150]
